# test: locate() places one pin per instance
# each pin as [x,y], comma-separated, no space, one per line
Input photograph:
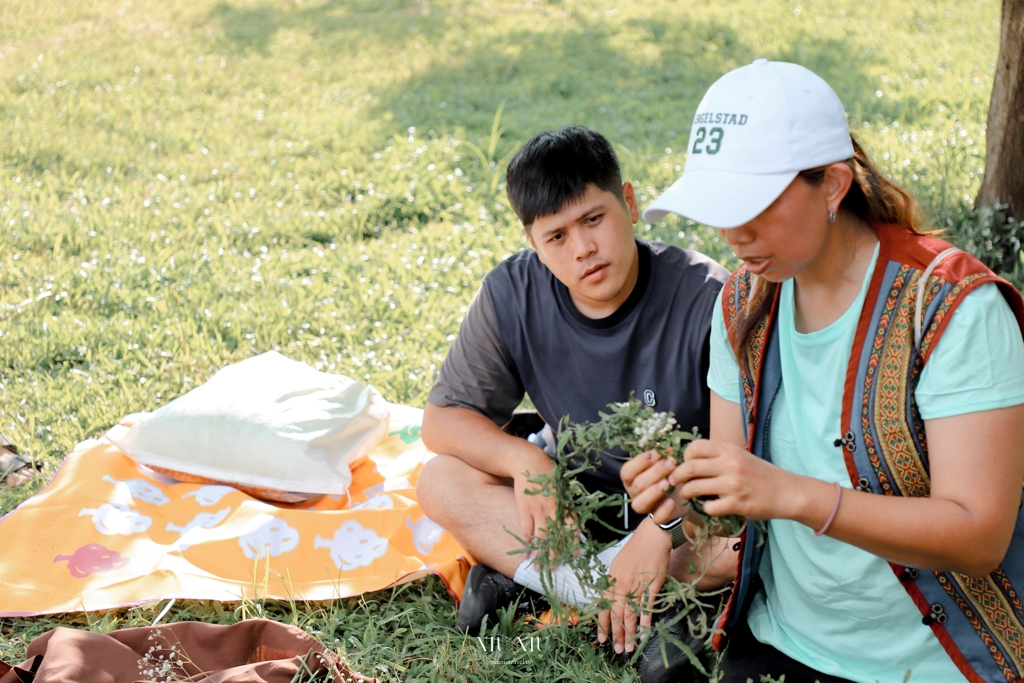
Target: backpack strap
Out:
[922,287]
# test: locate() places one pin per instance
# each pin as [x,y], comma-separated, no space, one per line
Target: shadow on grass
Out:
[337,22]
[637,81]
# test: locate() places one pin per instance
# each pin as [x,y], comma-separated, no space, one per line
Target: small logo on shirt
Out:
[649,397]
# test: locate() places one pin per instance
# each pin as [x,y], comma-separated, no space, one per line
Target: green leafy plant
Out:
[631,428]
[626,430]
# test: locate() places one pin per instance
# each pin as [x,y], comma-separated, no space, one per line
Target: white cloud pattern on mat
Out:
[210,495]
[117,519]
[140,490]
[353,546]
[271,537]
[425,533]
[204,520]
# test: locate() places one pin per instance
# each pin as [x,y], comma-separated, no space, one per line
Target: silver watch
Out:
[675,529]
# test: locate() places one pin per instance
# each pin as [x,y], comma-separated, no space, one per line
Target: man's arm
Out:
[477,390]
[477,441]
[481,444]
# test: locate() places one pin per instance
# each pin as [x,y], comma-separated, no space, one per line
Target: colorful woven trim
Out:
[735,299]
[892,427]
[994,609]
[896,447]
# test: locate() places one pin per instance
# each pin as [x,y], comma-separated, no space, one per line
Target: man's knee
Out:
[431,484]
[445,482]
[442,483]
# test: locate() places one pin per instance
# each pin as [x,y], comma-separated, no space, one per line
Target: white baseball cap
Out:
[756,128]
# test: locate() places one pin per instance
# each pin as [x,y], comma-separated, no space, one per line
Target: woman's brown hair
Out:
[872,197]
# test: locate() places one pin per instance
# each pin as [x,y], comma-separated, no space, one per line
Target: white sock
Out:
[566,584]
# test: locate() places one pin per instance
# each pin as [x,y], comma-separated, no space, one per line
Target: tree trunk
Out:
[1004,150]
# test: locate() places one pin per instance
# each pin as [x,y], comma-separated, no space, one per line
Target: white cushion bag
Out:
[266,423]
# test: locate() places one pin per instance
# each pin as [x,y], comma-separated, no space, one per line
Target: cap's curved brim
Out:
[721,199]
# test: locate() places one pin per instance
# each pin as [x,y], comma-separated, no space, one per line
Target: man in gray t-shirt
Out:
[588,316]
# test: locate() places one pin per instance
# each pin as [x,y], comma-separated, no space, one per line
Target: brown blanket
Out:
[254,651]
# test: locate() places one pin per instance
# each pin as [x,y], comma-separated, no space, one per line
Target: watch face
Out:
[672,525]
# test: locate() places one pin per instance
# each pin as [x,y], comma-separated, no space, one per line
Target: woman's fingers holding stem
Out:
[702,459]
[729,480]
[653,481]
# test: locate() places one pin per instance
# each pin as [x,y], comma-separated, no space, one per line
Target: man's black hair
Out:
[554,168]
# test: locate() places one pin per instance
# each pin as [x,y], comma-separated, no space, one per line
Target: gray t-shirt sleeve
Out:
[478,373]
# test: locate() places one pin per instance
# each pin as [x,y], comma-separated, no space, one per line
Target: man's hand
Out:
[639,569]
[534,510]
[478,442]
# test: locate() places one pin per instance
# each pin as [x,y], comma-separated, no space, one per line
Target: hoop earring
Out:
[831,217]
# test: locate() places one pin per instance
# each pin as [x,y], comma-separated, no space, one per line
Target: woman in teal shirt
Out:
[875,425]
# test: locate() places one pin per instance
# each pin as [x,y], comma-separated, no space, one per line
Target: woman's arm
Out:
[977,473]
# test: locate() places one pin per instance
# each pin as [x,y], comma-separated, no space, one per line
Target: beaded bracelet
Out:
[835,509]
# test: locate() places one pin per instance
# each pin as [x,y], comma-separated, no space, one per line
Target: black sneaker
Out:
[651,666]
[486,592]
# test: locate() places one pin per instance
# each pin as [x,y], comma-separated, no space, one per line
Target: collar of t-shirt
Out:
[628,306]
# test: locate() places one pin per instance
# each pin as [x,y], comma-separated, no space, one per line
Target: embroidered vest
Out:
[978,620]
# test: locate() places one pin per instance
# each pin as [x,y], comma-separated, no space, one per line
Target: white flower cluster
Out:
[648,430]
[160,667]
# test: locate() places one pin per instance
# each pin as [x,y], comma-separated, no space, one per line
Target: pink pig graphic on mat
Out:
[92,559]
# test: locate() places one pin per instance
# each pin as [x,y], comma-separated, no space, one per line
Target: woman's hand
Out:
[727,478]
[964,525]
[731,481]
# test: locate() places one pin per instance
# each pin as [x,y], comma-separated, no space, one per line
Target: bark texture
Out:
[1004,151]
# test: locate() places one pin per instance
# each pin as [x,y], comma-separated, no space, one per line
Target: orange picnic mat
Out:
[107,532]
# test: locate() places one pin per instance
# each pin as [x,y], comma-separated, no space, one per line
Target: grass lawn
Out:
[186,184]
